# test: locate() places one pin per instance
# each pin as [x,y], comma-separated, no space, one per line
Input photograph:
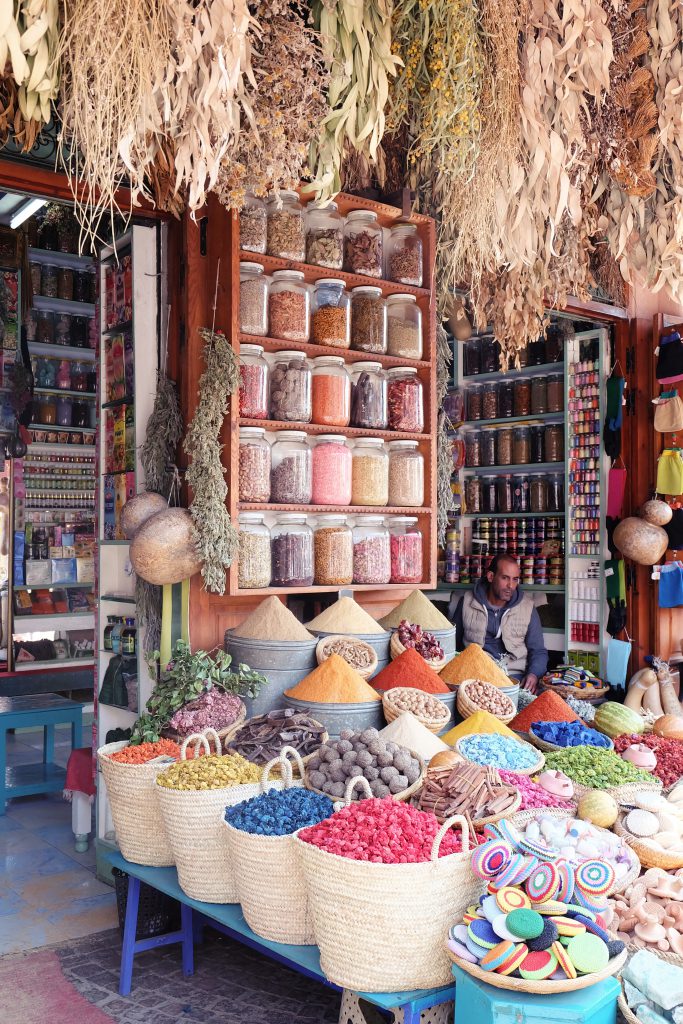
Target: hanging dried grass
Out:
[148,607]
[444,454]
[29,33]
[164,430]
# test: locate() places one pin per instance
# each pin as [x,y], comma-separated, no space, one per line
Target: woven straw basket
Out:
[549,748]
[587,693]
[536,767]
[434,723]
[648,856]
[270,882]
[396,648]
[624,795]
[323,645]
[380,927]
[132,794]
[467,707]
[232,732]
[625,1010]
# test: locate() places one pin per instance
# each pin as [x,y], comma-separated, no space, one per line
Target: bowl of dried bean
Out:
[428,709]
[476,695]
[356,653]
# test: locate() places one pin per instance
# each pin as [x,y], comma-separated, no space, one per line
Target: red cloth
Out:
[79,772]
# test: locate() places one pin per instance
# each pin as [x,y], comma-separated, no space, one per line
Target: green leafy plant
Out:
[184,679]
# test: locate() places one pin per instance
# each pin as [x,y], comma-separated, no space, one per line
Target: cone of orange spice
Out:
[549,707]
[145,752]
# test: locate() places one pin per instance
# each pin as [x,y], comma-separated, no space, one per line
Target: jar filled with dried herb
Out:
[292,551]
[290,475]
[406,474]
[286,236]
[368,320]
[324,236]
[253,224]
[290,388]
[370,472]
[404,327]
[253,560]
[254,469]
[368,396]
[254,375]
[289,306]
[363,244]
[405,255]
[331,387]
[333,552]
[405,401]
[331,313]
[253,299]
[406,550]
[371,551]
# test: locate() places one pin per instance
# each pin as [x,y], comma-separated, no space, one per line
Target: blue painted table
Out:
[227,918]
[45,711]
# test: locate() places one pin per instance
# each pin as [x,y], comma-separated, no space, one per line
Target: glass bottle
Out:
[506,399]
[290,388]
[363,244]
[472,448]
[254,465]
[332,551]
[406,474]
[292,551]
[370,472]
[368,396]
[405,255]
[253,224]
[538,493]
[253,299]
[404,327]
[324,236]
[286,237]
[332,471]
[254,557]
[405,401]
[289,306]
[475,401]
[539,396]
[368,320]
[331,313]
[290,476]
[254,375]
[405,541]
[371,551]
[331,392]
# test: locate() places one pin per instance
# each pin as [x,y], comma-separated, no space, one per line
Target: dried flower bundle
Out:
[29,35]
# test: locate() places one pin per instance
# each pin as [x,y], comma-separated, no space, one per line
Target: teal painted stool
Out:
[479,1003]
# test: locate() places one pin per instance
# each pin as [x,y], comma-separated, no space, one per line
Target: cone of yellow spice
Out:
[479,722]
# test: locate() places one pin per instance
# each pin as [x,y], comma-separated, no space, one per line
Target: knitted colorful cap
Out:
[588,953]
[526,924]
[594,878]
[509,898]
[497,956]
[516,957]
[542,883]
[563,959]
[538,966]
[490,858]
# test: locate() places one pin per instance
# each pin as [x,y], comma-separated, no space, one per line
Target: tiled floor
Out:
[49,892]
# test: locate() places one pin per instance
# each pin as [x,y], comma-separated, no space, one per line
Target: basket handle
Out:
[291,752]
[200,739]
[285,767]
[457,819]
[357,780]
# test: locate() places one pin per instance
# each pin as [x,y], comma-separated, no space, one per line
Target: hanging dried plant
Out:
[444,455]
[29,34]
[216,536]
[164,430]
[287,104]
[12,121]
[356,38]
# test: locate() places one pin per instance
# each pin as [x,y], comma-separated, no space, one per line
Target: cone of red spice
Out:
[410,669]
[549,707]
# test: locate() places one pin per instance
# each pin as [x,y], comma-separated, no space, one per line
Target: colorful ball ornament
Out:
[543,883]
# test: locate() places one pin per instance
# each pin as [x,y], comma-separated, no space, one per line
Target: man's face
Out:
[506,580]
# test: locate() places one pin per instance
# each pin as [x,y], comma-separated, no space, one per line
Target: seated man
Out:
[501,619]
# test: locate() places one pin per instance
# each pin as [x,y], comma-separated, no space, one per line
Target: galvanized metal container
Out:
[512,692]
[378,641]
[336,717]
[284,663]
[449,700]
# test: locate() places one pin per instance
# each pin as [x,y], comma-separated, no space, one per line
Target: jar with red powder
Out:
[331,392]
[371,551]
[253,383]
[405,401]
[406,550]
[332,471]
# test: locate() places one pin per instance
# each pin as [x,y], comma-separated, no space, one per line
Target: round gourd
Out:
[163,549]
[656,512]
[669,726]
[445,759]
[139,509]
[599,808]
[614,719]
[640,541]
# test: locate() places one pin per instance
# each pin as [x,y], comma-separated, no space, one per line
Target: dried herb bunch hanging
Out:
[216,536]
[164,430]
[29,36]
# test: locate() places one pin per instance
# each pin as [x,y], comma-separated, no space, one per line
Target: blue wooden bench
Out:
[228,919]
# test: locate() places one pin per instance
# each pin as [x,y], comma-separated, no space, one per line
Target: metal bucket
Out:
[336,717]
[449,700]
[512,692]
[378,641]
[283,662]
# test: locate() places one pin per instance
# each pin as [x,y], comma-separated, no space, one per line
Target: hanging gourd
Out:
[667,693]
[643,692]
[640,541]
[656,512]
[164,548]
[139,509]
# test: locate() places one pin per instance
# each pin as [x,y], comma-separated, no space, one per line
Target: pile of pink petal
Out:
[532,794]
[215,709]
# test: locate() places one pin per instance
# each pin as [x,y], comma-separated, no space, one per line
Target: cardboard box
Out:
[85,570]
[63,570]
[38,572]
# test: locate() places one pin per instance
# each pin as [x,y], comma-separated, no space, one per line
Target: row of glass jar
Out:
[332,553]
[59,328]
[284,306]
[291,388]
[514,493]
[524,396]
[523,445]
[291,472]
[483,354]
[65,412]
[319,235]
[56,282]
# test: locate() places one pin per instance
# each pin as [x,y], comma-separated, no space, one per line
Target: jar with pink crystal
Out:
[332,465]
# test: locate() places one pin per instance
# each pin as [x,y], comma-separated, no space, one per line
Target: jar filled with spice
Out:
[333,552]
[253,560]
[538,493]
[81,286]
[522,396]
[62,329]
[368,319]
[536,443]
[332,471]
[504,443]
[324,236]
[555,392]
[290,474]
[36,278]
[537,352]
[254,375]
[472,357]
[406,474]
[472,448]
[80,331]
[404,327]
[490,354]
[371,551]
[555,494]
[254,468]
[286,237]
[253,299]
[368,396]
[405,255]
[65,283]
[363,244]
[370,472]
[554,343]
[47,410]
[488,446]
[504,494]
[290,388]
[65,410]
[253,224]
[489,400]
[331,313]
[45,327]
[506,399]
[31,324]
[554,442]
[49,280]
[405,401]
[331,386]
[289,306]
[475,400]
[521,446]
[406,550]
[79,377]
[473,495]
[520,494]
[292,551]
[488,501]
[539,396]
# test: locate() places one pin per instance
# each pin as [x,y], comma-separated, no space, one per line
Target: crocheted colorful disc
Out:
[593,927]
[470,915]
[497,956]
[525,924]
[511,871]
[562,957]
[501,929]
[615,947]
[509,899]
[474,948]
[550,908]
[545,939]
[568,926]
[587,902]
[588,953]
[517,957]
[492,832]
[509,832]
[566,873]
[594,877]
[458,932]
[490,858]
[538,966]
[574,909]
[462,951]
[527,867]
[483,934]
[490,908]
[543,883]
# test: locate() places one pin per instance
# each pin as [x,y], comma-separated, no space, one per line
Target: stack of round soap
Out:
[501,751]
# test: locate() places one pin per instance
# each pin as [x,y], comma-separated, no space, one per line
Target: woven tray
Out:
[467,707]
[550,748]
[396,648]
[648,857]
[625,1010]
[403,796]
[624,795]
[537,767]
[587,693]
[327,641]
[391,712]
[276,768]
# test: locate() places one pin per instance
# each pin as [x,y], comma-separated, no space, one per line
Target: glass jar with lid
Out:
[62,328]
[472,357]
[45,327]
[538,493]
[405,401]
[504,494]
[404,327]
[520,494]
[289,306]
[554,442]
[286,236]
[504,445]
[333,551]
[539,395]
[290,473]
[368,396]
[370,472]
[253,224]
[80,331]
[331,387]
[488,446]
[506,399]
[522,396]
[253,299]
[331,313]
[36,278]
[472,448]
[475,401]
[292,551]
[490,354]
[81,285]
[406,474]
[536,351]
[65,283]
[324,236]
[405,542]
[555,392]
[49,280]
[253,559]
[489,401]
[254,374]
[521,445]
[363,244]
[371,551]
[405,255]
[489,499]
[536,443]
[368,319]
[290,388]
[332,470]
[254,465]
[555,494]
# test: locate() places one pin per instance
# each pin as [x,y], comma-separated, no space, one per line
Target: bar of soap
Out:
[677,1014]
[660,981]
[634,997]
[648,1015]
